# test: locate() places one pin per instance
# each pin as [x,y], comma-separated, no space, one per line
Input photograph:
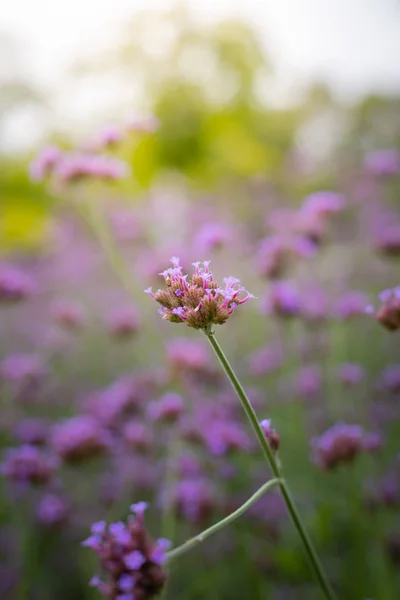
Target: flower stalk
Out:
[275,467]
[198,539]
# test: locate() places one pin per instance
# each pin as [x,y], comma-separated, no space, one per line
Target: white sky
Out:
[352,44]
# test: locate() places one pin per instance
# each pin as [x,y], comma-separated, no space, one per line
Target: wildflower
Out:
[266,360]
[44,163]
[138,436]
[79,437]
[271,435]
[68,315]
[389,312]
[340,443]
[351,373]
[52,510]
[350,304]
[74,166]
[168,408]
[391,378]
[324,203]
[108,136]
[130,560]
[388,239]
[123,323]
[15,285]
[212,236]
[31,431]
[193,497]
[28,464]
[282,300]
[199,302]
[383,162]
[22,368]
[277,252]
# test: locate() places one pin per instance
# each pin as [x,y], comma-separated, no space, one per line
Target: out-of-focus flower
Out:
[22,368]
[387,239]
[52,510]
[322,204]
[138,436]
[79,437]
[350,304]
[389,312]
[390,378]
[211,236]
[124,225]
[124,322]
[282,300]
[194,498]
[44,163]
[130,560]
[28,464]
[339,444]
[68,315]
[265,360]
[108,136]
[271,435]
[199,302]
[351,373]
[168,408]
[222,436]
[276,252]
[31,431]
[383,162]
[184,354]
[307,382]
[77,165]
[15,285]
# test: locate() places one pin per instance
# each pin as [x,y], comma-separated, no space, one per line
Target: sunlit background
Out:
[264,136]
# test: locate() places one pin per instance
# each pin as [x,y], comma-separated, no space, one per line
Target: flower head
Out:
[199,302]
[389,312]
[130,560]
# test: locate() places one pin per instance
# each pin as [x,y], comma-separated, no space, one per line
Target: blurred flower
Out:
[184,354]
[351,373]
[32,431]
[383,162]
[15,285]
[322,204]
[68,315]
[44,163]
[193,497]
[276,252]
[108,136]
[22,368]
[52,510]
[124,225]
[391,378]
[124,322]
[167,409]
[211,236]
[340,443]
[265,360]
[307,382]
[78,438]
[143,124]
[77,165]
[131,561]
[138,436]
[350,304]
[282,299]
[200,303]
[28,464]
[389,312]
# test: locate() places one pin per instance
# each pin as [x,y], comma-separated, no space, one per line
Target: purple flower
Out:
[120,533]
[22,368]
[15,285]
[44,163]
[282,300]
[266,360]
[168,408]
[158,554]
[52,510]
[124,322]
[271,435]
[134,560]
[383,162]
[323,203]
[28,464]
[79,437]
[389,312]
[77,165]
[340,443]
[126,582]
[139,508]
[203,302]
[351,373]
[68,315]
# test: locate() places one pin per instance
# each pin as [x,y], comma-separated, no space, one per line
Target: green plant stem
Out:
[297,521]
[198,539]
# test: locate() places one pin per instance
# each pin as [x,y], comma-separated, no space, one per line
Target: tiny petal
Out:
[134,560]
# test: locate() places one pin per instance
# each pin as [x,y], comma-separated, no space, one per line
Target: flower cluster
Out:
[341,444]
[389,312]
[131,561]
[199,302]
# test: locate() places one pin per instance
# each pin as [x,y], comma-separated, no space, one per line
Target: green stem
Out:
[297,521]
[198,539]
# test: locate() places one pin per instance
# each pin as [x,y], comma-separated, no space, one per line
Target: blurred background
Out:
[265,137]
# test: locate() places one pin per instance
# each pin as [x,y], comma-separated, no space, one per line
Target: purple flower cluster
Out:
[132,562]
[199,302]
[15,284]
[341,444]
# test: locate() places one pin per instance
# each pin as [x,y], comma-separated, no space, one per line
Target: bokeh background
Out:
[232,116]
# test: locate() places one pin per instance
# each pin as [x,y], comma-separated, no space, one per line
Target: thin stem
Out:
[297,521]
[198,539]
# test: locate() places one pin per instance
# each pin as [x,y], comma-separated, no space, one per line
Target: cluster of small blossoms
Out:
[15,285]
[199,302]
[271,435]
[130,560]
[388,313]
[28,464]
[341,444]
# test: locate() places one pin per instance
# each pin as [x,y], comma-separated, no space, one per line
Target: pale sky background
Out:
[354,45]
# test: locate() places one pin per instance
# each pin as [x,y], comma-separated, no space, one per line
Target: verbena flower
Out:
[79,438]
[131,561]
[339,444]
[68,315]
[15,285]
[52,510]
[271,435]
[44,163]
[383,162]
[28,464]
[73,166]
[123,322]
[388,313]
[168,408]
[199,302]
[351,373]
